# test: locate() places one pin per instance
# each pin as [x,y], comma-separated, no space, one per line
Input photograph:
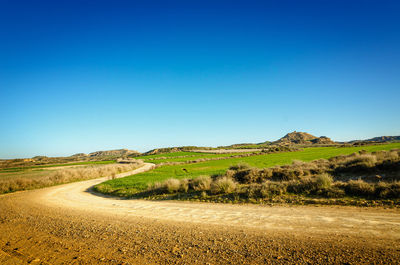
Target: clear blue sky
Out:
[81,76]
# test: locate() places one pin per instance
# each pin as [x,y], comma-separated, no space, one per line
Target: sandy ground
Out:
[68,224]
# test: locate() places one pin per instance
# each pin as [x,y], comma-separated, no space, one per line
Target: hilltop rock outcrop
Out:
[302,138]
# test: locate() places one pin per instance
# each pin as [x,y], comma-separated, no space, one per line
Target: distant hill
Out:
[79,155]
[379,139]
[383,139]
[302,138]
[291,139]
[94,156]
[108,153]
[113,153]
[175,149]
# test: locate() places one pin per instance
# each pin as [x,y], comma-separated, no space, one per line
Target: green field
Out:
[167,155]
[131,184]
[183,157]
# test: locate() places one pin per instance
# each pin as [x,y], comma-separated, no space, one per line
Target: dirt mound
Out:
[303,138]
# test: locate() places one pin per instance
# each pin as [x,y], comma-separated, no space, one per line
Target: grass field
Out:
[183,157]
[129,185]
[168,155]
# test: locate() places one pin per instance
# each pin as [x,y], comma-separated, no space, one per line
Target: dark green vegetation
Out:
[138,185]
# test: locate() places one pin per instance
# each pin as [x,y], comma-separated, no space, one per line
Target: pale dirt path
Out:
[345,220]
[67,224]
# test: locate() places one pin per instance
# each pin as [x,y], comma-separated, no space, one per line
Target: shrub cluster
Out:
[333,178]
[215,185]
[280,148]
[354,164]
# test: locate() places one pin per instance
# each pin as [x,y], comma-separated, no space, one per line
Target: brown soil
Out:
[67,224]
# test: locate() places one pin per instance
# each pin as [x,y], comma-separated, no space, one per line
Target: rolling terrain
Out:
[68,224]
[130,185]
[73,224]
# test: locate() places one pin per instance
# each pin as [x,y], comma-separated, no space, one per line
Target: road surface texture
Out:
[68,224]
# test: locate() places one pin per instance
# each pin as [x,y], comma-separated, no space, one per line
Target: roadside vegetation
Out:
[24,178]
[360,178]
[313,175]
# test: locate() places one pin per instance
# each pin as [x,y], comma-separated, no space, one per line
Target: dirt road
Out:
[68,224]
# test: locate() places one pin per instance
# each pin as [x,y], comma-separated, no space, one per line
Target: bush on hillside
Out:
[223,185]
[201,183]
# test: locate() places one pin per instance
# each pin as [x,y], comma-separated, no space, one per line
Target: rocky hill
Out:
[175,149]
[113,153]
[302,138]
[383,139]
[379,139]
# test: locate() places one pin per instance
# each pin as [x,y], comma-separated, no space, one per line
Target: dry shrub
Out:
[223,185]
[184,185]
[392,155]
[332,192]
[363,152]
[386,190]
[251,191]
[323,181]
[264,190]
[356,163]
[272,188]
[247,175]
[230,173]
[172,185]
[201,183]
[359,188]
[382,189]
[304,185]
[155,186]
[362,161]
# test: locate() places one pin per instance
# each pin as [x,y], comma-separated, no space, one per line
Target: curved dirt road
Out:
[69,224]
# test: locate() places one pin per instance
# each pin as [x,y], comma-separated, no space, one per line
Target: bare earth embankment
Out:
[67,224]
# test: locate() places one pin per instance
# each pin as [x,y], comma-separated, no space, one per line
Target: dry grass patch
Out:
[201,183]
[61,176]
[223,185]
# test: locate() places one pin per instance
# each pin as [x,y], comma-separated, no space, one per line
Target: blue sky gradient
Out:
[81,76]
